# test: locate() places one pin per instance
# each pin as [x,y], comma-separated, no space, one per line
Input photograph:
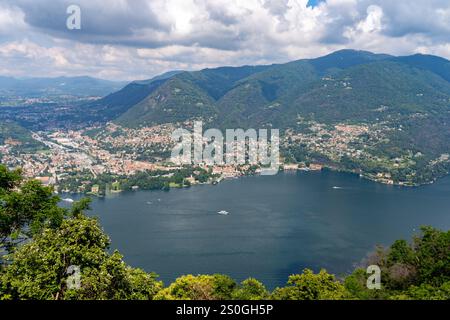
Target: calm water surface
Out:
[277,225]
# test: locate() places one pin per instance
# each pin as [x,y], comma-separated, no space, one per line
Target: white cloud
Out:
[140,38]
[11,18]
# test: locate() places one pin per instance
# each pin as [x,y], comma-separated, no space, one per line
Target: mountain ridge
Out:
[382,116]
[270,82]
[53,86]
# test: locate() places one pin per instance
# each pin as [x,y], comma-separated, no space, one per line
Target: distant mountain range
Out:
[47,87]
[345,85]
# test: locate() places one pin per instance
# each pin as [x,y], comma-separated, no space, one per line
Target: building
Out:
[290,167]
[95,189]
[315,167]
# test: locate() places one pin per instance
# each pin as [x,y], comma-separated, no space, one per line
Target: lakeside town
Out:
[110,158]
[356,148]
[76,160]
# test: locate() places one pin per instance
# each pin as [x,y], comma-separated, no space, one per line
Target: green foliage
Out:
[310,286]
[9,179]
[433,256]
[26,208]
[420,270]
[60,239]
[38,269]
[114,280]
[145,180]
[425,292]
[202,287]
[80,206]
[356,286]
[251,289]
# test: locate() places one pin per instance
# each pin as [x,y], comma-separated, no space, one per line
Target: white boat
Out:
[68,200]
[337,188]
[223,212]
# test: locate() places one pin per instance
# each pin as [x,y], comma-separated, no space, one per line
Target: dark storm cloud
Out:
[130,23]
[108,18]
[102,21]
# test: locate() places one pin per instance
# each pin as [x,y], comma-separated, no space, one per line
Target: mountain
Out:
[169,91]
[117,103]
[400,107]
[47,87]
[437,65]
[343,85]
[171,102]
[236,95]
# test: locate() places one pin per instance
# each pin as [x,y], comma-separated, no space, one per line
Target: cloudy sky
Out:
[137,39]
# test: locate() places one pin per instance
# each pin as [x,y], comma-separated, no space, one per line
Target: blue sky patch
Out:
[314,3]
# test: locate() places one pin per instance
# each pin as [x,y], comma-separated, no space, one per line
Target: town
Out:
[112,158]
[83,160]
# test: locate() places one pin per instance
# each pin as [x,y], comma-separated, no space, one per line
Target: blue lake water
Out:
[277,225]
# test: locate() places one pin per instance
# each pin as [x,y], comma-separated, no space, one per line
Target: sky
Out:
[138,39]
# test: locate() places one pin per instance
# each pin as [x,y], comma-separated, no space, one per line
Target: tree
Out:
[310,286]
[202,287]
[356,287]
[433,256]
[425,292]
[401,252]
[420,270]
[9,179]
[39,269]
[26,207]
[250,289]
[400,271]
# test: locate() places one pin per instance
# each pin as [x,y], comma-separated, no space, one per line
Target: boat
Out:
[337,188]
[68,200]
[223,212]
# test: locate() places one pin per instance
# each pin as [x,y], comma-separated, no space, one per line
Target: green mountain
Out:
[273,95]
[118,102]
[170,102]
[401,103]
[170,97]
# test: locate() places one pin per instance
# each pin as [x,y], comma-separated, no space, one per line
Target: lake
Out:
[276,226]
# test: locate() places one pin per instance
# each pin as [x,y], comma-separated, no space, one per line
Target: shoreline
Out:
[281,171]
